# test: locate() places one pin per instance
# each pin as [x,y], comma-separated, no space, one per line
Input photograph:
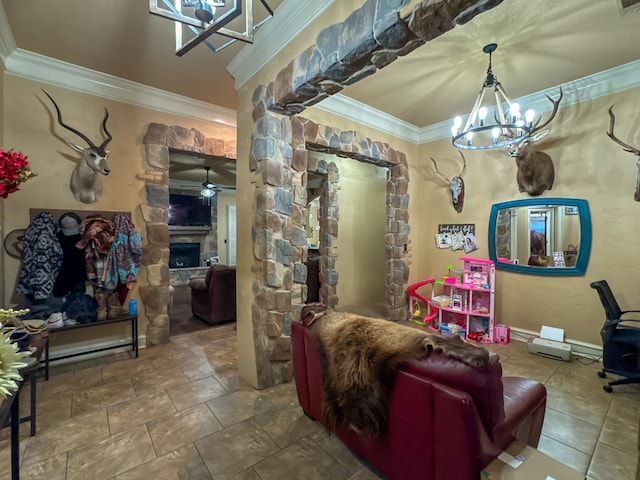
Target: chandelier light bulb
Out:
[514,110]
[482,114]
[529,114]
[495,133]
[469,137]
[457,122]
[454,130]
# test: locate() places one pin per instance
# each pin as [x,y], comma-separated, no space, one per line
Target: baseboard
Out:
[81,347]
[582,349]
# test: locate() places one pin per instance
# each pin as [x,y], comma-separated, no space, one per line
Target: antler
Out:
[556,104]
[626,147]
[464,164]
[438,171]
[79,133]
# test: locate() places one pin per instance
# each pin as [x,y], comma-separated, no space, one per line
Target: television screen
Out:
[188,210]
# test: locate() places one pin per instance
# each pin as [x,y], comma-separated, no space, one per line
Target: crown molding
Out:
[7,42]
[73,77]
[356,111]
[289,19]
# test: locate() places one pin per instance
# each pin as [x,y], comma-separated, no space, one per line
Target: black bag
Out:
[81,307]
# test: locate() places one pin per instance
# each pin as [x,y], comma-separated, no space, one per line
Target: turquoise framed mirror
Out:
[541,236]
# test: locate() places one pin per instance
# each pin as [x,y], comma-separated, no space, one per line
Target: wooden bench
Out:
[60,331]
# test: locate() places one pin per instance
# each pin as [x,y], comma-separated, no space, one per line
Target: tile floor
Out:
[181,411]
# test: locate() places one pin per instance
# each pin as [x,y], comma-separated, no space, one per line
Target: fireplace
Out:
[184,255]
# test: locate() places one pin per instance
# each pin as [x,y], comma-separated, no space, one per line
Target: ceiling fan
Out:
[208,188]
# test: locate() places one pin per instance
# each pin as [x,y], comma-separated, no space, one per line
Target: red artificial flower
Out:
[14,169]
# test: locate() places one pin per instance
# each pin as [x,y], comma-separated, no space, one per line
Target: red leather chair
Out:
[213,298]
[447,420]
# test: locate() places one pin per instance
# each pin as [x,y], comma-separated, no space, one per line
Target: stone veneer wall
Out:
[370,38]
[156,295]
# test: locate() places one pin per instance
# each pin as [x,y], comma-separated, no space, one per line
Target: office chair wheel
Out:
[607,388]
[601,374]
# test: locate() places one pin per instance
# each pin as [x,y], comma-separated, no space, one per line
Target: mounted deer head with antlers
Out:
[627,148]
[535,169]
[85,183]
[456,185]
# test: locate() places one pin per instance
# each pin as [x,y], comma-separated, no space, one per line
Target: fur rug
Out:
[359,357]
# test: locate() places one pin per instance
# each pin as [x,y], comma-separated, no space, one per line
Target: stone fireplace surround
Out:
[370,38]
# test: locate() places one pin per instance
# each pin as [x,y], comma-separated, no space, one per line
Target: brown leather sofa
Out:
[447,420]
[213,297]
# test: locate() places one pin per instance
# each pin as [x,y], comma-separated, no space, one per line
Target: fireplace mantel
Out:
[189,230]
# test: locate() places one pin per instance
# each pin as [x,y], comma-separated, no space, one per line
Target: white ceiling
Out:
[542,44]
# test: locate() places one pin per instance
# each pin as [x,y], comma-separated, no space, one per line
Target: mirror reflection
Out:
[540,236]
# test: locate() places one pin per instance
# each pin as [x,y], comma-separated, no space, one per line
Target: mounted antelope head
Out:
[85,183]
[456,184]
[627,148]
[535,169]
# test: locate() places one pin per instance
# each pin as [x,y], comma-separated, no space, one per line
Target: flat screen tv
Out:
[188,210]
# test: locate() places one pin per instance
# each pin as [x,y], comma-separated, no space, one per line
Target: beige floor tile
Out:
[179,429]
[365,474]
[304,460]
[139,410]
[281,395]
[111,456]
[126,368]
[230,378]
[285,425]
[69,434]
[618,433]
[526,365]
[196,391]
[102,396]
[174,359]
[334,447]
[586,404]
[248,474]
[53,468]
[235,449]
[197,369]
[609,463]
[239,406]
[157,380]
[570,456]
[182,464]
[570,430]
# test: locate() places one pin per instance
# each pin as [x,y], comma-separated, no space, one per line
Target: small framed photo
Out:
[570,210]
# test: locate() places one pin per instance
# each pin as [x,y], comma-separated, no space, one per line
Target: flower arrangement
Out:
[10,357]
[14,169]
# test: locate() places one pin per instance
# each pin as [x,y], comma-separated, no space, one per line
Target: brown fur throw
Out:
[359,357]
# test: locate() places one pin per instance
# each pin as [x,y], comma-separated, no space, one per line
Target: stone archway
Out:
[159,139]
[371,37]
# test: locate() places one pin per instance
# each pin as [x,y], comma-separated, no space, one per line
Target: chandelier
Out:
[499,126]
[205,18]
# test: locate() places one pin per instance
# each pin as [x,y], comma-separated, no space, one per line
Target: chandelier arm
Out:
[474,110]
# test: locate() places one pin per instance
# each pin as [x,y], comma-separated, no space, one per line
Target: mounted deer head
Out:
[456,184]
[85,183]
[627,148]
[535,169]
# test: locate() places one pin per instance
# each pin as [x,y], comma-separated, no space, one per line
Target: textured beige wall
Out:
[588,165]
[225,198]
[361,226]
[33,130]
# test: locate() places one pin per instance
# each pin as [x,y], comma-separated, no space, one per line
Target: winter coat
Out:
[42,258]
[123,262]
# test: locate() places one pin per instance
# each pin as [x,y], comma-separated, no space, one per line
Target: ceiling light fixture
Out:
[509,125]
[208,188]
[209,17]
